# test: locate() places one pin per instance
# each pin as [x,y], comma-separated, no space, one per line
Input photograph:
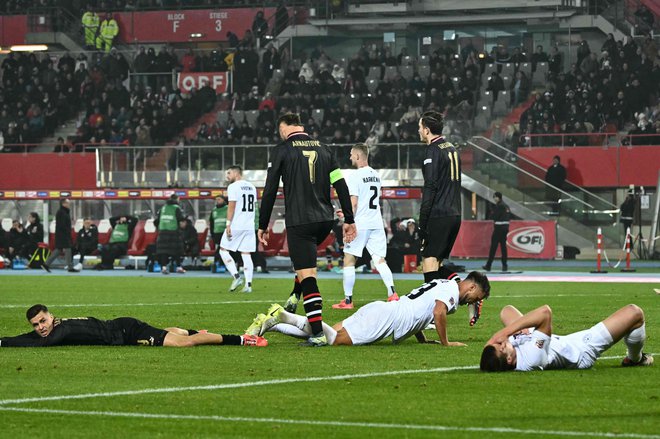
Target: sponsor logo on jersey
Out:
[527,239]
[451,301]
[540,343]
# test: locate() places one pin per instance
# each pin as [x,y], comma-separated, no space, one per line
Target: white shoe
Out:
[272,318]
[246,289]
[180,270]
[164,270]
[237,282]
[78,267]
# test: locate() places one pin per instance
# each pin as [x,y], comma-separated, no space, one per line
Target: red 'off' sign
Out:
[188,81]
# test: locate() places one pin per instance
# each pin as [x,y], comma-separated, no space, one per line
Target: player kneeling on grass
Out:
[124,331]
[378,320]
[526,341]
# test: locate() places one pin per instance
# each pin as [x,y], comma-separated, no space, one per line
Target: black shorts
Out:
[303,241]
[138,333]
[442,233]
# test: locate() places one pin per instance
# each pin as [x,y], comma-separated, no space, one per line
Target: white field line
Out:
[87,305]
[504,430]
[234,385]
[244,384]
[234,302]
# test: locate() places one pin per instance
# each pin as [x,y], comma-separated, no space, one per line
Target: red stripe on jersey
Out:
[315,319]
[309,296]
[437,138]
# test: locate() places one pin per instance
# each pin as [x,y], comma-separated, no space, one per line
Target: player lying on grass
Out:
[377,320]
[526,342]
[124,331]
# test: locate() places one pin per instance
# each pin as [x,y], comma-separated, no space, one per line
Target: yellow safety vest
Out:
[109,29]
[90,19]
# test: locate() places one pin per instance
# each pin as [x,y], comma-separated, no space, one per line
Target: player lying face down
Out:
[397,319]
[526,342]
[123,331]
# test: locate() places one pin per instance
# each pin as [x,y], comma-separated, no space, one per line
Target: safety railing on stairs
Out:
[524,181]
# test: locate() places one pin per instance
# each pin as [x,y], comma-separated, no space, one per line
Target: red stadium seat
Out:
[136,245]
[104,231]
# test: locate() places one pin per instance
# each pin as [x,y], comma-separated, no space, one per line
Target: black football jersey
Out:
[307,168]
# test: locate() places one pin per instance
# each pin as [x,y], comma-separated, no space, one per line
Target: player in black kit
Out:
[440,214]
[124,331]
[307,168]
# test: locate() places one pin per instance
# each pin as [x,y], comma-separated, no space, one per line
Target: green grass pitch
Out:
[284,391]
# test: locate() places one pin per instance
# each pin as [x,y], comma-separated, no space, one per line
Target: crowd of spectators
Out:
[609,90]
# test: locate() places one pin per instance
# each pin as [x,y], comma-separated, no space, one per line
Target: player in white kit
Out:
[239,234]
[365,189]
[397,319]
[527,343]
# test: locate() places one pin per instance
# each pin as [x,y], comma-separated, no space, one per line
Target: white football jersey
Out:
[365,184]
[245,195]
[531,350]
[415,310]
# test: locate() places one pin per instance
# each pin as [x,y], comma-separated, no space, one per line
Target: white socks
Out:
[248,267]
[349,281]
[229,262]
[386,275]
[635,342]
[290,330]
[299,327]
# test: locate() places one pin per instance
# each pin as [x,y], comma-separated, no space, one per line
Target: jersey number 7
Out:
[311,162]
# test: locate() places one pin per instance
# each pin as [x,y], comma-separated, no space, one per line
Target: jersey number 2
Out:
[248,203]
[311,162]
[372,200]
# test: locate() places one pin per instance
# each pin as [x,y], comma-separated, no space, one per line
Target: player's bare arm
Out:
[540,318]
[231,208]
[440,318]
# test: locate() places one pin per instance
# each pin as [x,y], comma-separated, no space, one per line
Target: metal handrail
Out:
[521,158]
[534,177]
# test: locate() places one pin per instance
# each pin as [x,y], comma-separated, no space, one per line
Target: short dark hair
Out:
[34,310]
[491,361]
[433,120]
[236,168]
[557,157]
[289,119]
[174,197]
[63,200]
[481,280]
[498,195]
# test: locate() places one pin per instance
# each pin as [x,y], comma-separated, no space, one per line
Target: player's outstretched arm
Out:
[540,318]
[440,317]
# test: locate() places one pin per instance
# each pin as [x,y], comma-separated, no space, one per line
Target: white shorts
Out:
[241,241]
[591,343]
[373,239]
[371,323]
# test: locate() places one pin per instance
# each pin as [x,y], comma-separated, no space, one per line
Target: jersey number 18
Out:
[248,203]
